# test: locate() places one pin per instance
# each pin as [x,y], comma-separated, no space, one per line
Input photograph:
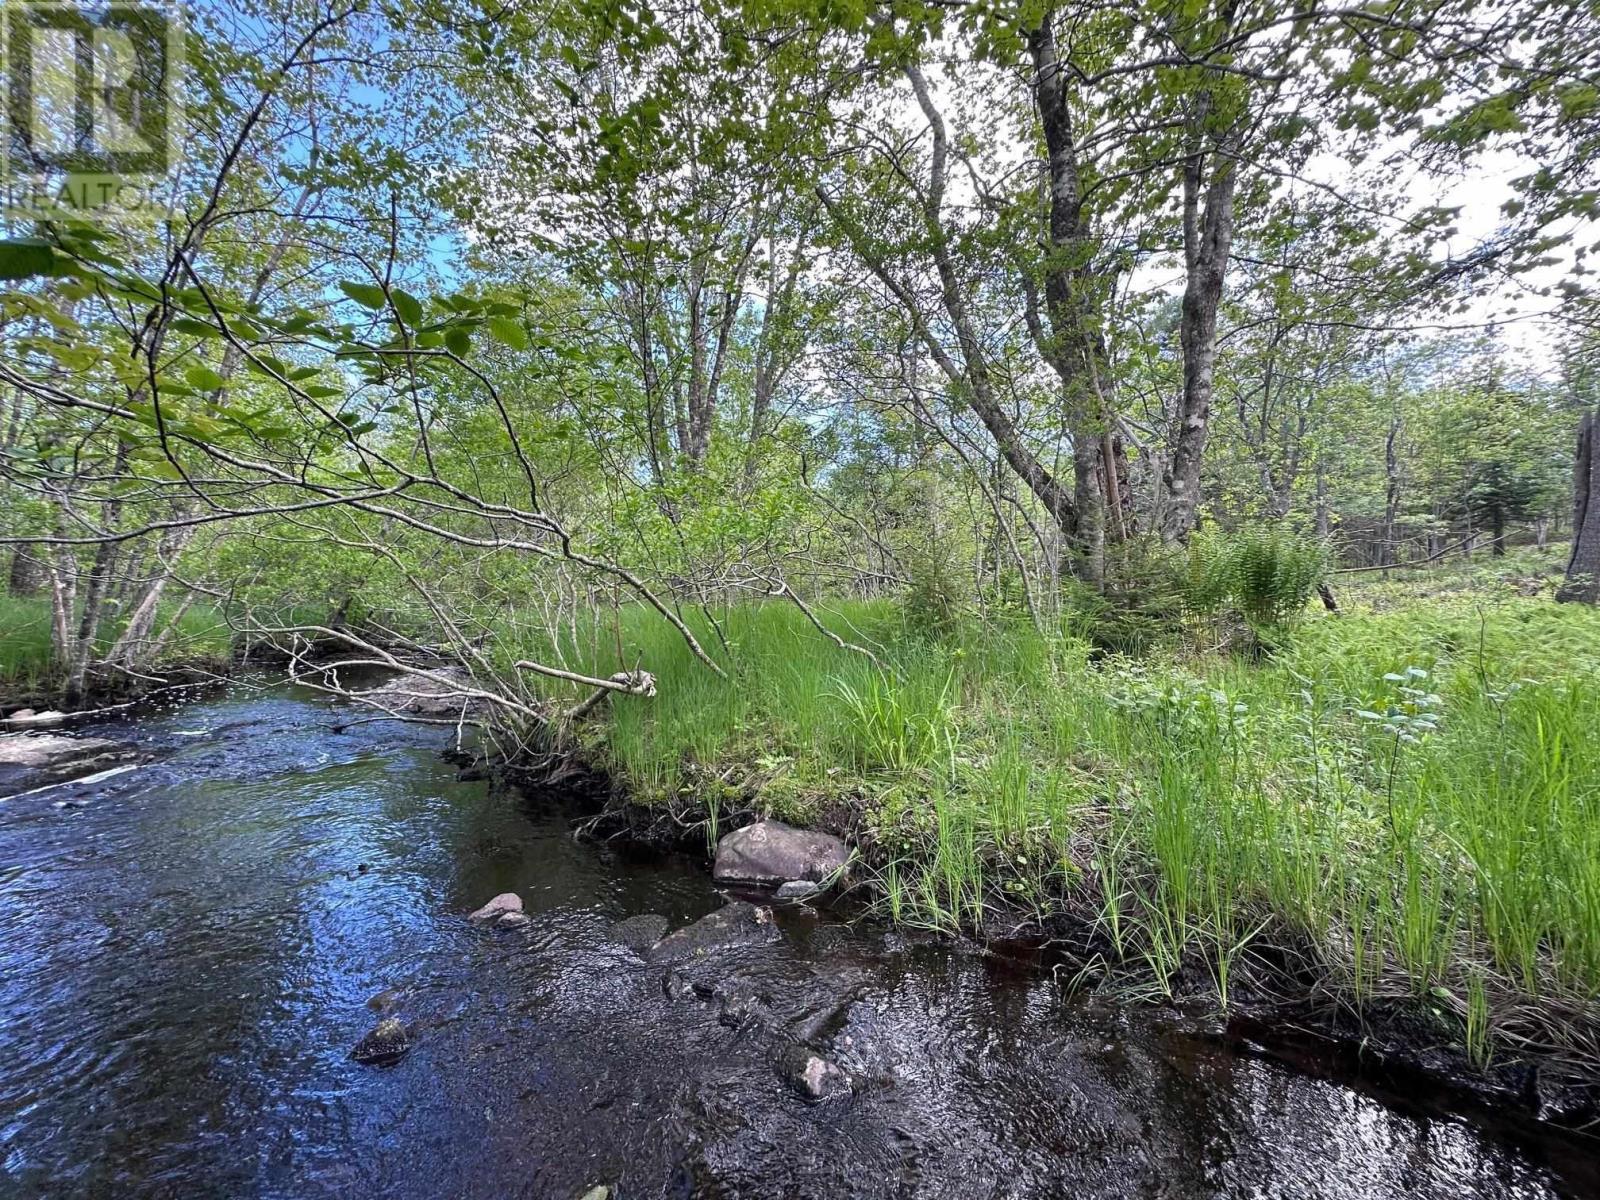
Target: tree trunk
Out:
[1391,495]
[971,374]
[27,574]
[1207,242]
[1073,347]
[1583,568]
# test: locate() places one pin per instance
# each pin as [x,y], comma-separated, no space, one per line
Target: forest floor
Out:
[1397,810]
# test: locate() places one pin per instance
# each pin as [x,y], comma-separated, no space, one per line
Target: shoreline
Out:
[1395,1042]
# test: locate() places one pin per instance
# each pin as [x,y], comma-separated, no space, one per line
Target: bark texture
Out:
[1582,584]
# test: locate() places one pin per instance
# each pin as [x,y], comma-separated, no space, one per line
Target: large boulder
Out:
[737,924]
[770,852]
[440,693]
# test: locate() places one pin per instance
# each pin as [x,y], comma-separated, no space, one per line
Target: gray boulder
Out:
[386,1043]
[770,852]
[505,902]
[440,693]
[27,717]
[798,889]
[737,924]
[810,1075]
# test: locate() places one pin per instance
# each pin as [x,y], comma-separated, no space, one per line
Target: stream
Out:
[189,951]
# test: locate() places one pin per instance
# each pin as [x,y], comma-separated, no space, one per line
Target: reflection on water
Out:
[188,959]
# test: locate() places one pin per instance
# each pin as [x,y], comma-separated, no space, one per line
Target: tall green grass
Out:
[24,643]
[28,669]
[1405,799]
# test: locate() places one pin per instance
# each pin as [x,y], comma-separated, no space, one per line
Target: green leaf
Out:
[23,258]
[195,328]
[204,379]
[368,295]
[458,341]
[408,306]
[504,329]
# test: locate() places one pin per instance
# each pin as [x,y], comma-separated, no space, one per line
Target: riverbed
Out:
[189,951]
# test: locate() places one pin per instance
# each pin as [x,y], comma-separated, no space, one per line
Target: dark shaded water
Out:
[188,958]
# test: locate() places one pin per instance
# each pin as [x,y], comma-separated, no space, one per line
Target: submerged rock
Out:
[437,694]
[810,1075]
[387,1000]
[511,920]
[641,932]
[798,889]
[596,1193]
[741,1007]
[505,902]
[475,772]
[770,852]
[385,1044]
[676,985]
[36,760]
[737,924]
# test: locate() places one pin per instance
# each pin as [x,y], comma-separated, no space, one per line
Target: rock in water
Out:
[440,693]
[27,716]
[798,889]
[813,1077]
[676,985]
[36,760]
[738,924]
[641,932]
[505,902]
[741,1007]
[771,852]
[385,1044]
[597,1193]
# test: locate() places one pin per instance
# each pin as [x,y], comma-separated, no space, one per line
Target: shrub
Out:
[936,599]
[1266,572]
[1141,604]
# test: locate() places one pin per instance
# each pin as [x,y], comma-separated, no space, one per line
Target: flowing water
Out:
[188,951]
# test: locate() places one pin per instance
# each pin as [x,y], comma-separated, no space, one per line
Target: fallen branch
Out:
[632,683]
[1419,562]
[783,589]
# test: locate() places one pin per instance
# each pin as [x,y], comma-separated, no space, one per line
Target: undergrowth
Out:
[26,666]
[1404,799]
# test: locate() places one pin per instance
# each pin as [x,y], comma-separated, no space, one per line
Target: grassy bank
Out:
[28,672]
[1401,803]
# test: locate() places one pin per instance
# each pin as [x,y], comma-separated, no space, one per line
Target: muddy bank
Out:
[1277,1006]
